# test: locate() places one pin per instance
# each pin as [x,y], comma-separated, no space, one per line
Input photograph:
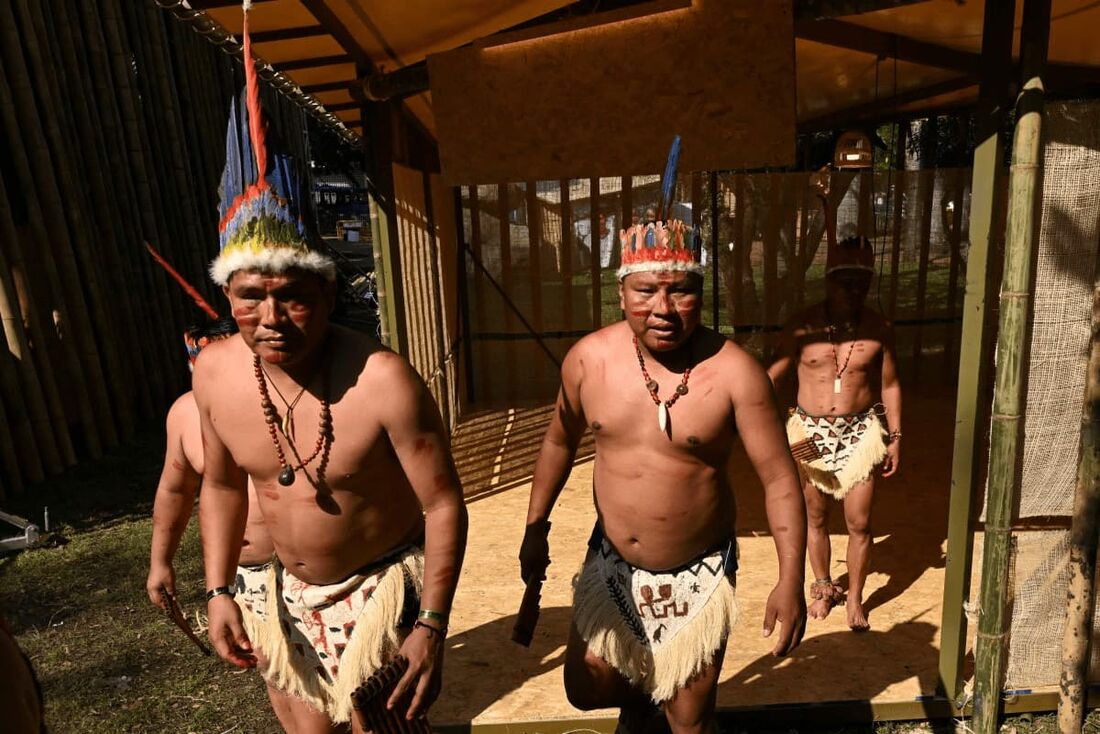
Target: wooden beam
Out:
[295,64]
[340,32]
[818,9]
[887,45]
[404,82]
[886,105]
[218,4]
[328,86]
[289,34]
[342,106]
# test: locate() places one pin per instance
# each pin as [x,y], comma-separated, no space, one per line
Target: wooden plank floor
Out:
[488,679]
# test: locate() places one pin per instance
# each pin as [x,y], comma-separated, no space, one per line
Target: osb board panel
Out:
[606,100]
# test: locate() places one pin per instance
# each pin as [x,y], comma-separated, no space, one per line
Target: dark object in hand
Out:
[369,701]
[175,614]
[528,615]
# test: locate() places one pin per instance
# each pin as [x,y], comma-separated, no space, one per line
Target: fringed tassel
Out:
[868,453]
[374,642]
[659,673]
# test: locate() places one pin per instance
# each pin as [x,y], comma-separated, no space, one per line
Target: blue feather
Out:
[668,181]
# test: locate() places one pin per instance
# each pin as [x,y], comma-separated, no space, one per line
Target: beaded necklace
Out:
[831,329]
[652,386]
[271,416]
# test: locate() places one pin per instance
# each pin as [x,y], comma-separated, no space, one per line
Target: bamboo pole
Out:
[742,241]
[150,341]
[71,234]
[1077,635]
[154,228]
[20,101]
[926,187]
[9,459]
[481,363]
[1024,194]
[118,303]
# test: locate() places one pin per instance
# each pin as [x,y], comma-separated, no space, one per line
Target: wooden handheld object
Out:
[175,614]
[369,701]
[821,183]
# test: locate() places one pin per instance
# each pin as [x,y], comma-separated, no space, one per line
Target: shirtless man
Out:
[350,460]
[175,498]
[666,399]
[841,349]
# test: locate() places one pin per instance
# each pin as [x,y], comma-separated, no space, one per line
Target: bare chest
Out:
[841,356]
[621,412]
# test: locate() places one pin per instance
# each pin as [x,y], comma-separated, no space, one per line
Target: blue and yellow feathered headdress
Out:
[261,227]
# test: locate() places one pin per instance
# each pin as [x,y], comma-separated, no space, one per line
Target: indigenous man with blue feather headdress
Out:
[666,400]
[348,455]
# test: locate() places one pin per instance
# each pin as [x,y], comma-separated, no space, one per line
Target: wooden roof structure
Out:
[856,60]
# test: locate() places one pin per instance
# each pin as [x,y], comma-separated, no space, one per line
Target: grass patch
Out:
[107,659]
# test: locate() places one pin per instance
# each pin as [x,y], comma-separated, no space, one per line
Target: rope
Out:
[219,37]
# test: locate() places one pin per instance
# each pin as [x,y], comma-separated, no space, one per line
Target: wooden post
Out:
[926,185]
[534,264]
[566,256]
[742,246]
[772,225]
[464,298]
[1005,437]
[901,131]
[382,119]
[1077,636]
[594,253]
[510,365]
[715,273]
[971,405]
[480,289]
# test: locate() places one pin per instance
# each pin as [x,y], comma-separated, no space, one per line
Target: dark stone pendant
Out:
[286,476]
[652,386]
[681,389]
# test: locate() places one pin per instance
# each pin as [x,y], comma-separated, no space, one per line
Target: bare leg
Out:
[590,683]
[817,543]
[857,515]
[691,710]
[298,717]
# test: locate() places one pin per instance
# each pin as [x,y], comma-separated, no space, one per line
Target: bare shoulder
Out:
[803,321]
[593,347]
[183,411]
[215,361]
[743,373]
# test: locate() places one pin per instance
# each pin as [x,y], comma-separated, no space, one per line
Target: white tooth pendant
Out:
[662,416]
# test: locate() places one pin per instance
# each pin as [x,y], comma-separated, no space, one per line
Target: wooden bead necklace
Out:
[271,416]
[651,385]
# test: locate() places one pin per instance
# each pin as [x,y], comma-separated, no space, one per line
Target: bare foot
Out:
[857,618]
[819,609]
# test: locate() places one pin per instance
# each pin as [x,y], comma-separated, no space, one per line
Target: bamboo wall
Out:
[112,129]
[763,241]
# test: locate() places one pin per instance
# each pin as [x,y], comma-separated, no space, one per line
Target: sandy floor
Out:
[489,679]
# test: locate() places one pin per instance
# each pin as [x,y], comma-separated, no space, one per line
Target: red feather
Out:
[190,289]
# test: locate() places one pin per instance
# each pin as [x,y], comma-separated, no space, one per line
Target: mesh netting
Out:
[556,255]
[1068,242]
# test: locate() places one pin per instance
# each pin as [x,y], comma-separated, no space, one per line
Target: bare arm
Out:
[411,420]
[552,467]
[891,398]
[223,512]
[766,445]
[172,505]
